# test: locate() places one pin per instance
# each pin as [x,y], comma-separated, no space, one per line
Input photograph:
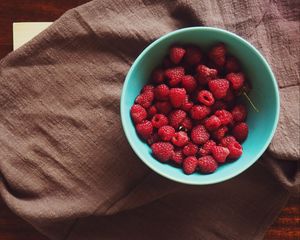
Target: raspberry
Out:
[163,107]
[205,97]
[187,124]
[217,54]
[190,164]
[161,92]
[138,113]
[212,123]
[207,164]
[189,83]
[151,111]
[224,116]
[187,105]
[239,113]
[147,88]
[220,133]
[163,151]
[235,150]
[227,140]
[145,99]
[218,87]
[180,139]
[229,96]
[206,149]
[153,138]
[204,74]
[236,79]
[159,120]
[199,134]
[192,56]
[177,157]
[240,131]
[199,112]
[174,75]
[144,129]
[232,64]
[220,153]
[176,117]
[176,54]
[190,149]
[158,75]
[177,97]
[218,105]
[166,133]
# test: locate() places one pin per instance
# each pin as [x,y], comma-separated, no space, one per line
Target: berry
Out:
[190,164]
[232,65]
[163,107]
[180,139]
[138,113]
[199,134]
[236,79]
[147,88]
[224,116]
[159,120]
[239,113]
[177,157]
[190,149]
[227,140]
[158,75]
[145,99]
[229,96]
[176,117]
[217,54]
[218,87]
[220,153]
[177,97]
[144,129]
[199,112]
[187,124]
[187,105]
[189,83]
[206,149]
[220,133]
[219,104]
[161,92]
[151,111]
[166,133]
[205,97]
[212,123]
[192,56]
[235,150]
[176,54]
[240,131]
[174,75]
[205,74]
[153,138]
[207,164]
[163,151]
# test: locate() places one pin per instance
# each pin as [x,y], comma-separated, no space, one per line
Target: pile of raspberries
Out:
[190,113]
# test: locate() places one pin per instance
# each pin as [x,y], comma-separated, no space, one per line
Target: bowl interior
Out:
[264,94]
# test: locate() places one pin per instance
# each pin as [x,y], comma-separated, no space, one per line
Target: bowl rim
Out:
[248,164]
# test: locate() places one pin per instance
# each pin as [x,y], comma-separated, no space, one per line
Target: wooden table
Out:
[286,227]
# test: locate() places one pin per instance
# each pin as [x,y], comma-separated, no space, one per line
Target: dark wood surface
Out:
[286,227]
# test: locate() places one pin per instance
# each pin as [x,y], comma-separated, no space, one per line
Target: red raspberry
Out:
[229,96]
[199,134]
[158,75]
[176,117]
[205,97]
[187,105]
[220,133]
[206,149]
[237,80]
[176,54]
[219,105]
[145,99]
[232,64]
[159,120]
[207,164]
[187,124]
[198,112]
[220,153]
[153,138]
[190,164]
[190,149]
[161,92]
[177,157]
[189,83]
[166,133]
[212,123]
[239,113]
[163,151]
[240,131]
[193,56]
[147,88]
[151,111]
[138,113]
[217,54]
[218,87]
[163,107]
[224,116]
[235,150]
[180,139]
[227,140]
[174,75]
[177,97]
[144,129]
[205,74]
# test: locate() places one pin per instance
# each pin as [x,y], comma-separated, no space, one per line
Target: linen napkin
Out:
[65,164]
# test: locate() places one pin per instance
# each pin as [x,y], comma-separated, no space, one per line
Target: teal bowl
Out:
[264,93]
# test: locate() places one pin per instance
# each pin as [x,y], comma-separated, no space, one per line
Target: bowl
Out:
[264,93]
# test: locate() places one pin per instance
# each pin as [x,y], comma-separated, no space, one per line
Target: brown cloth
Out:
[65,164]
